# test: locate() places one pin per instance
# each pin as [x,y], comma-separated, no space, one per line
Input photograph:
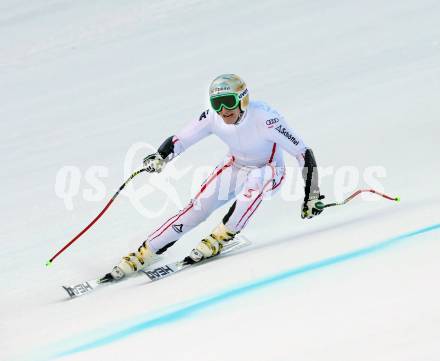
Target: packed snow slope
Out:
[86,85]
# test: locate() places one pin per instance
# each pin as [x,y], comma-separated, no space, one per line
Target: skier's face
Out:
[230,116]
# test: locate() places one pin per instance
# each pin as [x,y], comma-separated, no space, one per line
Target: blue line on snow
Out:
[240,290]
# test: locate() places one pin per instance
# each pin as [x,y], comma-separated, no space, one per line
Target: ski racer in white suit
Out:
[253,168]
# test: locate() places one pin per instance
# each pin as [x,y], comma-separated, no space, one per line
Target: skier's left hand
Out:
[312,207]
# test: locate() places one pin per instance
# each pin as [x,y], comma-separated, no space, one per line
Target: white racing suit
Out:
[253,170]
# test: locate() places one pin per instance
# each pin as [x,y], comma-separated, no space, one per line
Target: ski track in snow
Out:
[199,305]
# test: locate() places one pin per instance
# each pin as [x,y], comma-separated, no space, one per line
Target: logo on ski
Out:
[159,272]
[79,289]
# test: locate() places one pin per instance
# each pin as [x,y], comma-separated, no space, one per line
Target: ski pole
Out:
[48,263]
[348,199]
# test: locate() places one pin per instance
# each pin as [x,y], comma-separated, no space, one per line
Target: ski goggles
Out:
[229,101]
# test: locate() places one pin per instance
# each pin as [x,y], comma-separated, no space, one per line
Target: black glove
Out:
[312,207]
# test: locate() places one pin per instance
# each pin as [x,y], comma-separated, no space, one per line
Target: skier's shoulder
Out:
[261,107]
[200,122]
[264,113]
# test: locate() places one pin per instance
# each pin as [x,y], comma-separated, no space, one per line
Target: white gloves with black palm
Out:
[154,163]
[312,207]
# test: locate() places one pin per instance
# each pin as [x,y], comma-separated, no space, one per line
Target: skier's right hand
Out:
[154,163]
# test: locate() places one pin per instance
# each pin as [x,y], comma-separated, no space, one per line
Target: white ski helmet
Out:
[229,91]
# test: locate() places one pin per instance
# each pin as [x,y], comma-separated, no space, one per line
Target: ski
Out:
[174,267]
[155,274]
[87,287]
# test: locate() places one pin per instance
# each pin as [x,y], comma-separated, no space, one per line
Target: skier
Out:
[253,169]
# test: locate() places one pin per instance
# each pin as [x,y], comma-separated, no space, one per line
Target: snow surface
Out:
[83,83]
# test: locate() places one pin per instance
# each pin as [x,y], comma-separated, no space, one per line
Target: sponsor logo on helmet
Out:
[220,89]
[271,122]
[289,136]
[243,94]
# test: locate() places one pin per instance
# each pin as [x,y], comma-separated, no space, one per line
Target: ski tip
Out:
[49,263]
[397,199]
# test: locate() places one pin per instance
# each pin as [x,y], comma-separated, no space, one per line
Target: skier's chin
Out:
[230,119]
